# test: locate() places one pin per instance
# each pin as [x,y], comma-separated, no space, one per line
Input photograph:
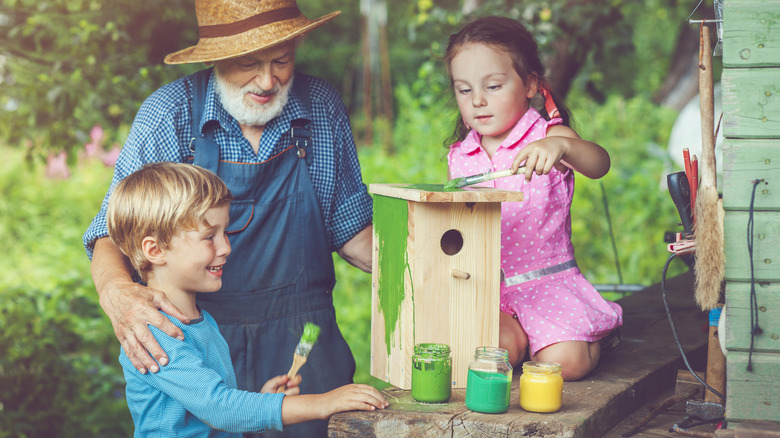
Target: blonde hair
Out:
[159,200]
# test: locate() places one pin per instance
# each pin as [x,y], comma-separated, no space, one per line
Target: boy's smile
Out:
[195,258]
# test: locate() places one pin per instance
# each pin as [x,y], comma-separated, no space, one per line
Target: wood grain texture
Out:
[738,317]
[745,161]
[766,246]
[751,33]
[467,194]
[753,395]
[751,103]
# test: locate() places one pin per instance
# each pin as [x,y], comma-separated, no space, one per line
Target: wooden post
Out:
[716,366]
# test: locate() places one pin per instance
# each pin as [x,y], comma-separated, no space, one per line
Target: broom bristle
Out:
[710,255]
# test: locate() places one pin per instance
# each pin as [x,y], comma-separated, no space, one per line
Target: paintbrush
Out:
[310,334]
[459,183]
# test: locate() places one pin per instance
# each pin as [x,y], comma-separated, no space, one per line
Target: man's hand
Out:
[130,307]
[358,251]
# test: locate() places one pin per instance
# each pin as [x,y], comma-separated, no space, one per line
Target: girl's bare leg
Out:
[577,358]
[512,337]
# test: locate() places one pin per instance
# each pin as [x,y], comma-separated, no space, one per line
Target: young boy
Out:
[170,220]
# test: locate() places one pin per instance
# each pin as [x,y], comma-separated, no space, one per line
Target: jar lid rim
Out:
[432,348]
[491,353]
[550,367]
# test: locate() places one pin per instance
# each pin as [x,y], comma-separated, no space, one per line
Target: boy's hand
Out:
[273,384]
[352,397]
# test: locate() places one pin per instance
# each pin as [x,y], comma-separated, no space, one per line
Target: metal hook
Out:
[718,21]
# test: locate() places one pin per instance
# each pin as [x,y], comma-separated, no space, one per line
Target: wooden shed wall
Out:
[751,151]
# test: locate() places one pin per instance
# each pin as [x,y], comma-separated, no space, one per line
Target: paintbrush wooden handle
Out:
[298,362]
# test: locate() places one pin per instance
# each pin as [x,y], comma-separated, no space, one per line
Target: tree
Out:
[67,65]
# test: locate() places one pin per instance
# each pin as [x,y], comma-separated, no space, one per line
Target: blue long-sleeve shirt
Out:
[196,395]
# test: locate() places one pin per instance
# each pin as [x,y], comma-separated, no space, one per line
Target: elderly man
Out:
[282,143]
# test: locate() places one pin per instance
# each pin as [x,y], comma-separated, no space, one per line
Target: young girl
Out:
[548,308]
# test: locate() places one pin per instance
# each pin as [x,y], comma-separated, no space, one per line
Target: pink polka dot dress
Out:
[541,284]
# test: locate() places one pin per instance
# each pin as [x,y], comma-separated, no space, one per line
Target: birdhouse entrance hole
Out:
[451,242]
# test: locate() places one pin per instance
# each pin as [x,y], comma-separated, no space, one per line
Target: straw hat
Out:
[231,28]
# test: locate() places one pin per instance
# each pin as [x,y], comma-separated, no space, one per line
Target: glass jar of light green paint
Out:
[431,373]
[489,381]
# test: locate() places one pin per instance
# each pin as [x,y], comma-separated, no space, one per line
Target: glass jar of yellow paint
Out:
[431,373]
[541,387]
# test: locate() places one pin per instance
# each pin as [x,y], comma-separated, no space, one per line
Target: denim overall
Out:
[280,272]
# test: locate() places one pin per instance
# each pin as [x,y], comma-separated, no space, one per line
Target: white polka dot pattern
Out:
[536,233]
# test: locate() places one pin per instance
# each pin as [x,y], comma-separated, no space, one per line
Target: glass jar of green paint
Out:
[489,382]
[431,373]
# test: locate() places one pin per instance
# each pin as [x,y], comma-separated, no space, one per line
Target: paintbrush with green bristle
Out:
[459,183]
[310,334]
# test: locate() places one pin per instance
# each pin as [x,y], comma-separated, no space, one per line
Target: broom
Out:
[710,263]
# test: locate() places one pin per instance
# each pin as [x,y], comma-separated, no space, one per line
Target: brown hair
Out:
[511,37]
[159,200]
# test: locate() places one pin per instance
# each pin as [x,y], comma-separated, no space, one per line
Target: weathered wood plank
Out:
[751,33]
[753,395]
[745,161]
[766,246]
[751,102]
[737,331]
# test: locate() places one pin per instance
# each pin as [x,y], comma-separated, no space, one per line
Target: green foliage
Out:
[71,64]
[59,375]
[55,378]
[641,211]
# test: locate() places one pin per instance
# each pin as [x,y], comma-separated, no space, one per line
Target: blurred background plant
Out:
[74,72]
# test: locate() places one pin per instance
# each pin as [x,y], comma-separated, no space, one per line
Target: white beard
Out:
[251,113]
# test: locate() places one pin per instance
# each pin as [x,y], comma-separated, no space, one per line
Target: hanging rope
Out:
[755,329]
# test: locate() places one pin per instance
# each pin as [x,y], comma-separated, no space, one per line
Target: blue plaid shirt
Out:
[161,132]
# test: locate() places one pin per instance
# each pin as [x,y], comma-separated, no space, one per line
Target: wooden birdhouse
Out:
[436,273]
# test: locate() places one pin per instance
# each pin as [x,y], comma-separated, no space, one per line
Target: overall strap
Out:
[205,151]
[200,82]
[301,129]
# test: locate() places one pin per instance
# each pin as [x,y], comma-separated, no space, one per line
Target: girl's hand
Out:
[274,383]
[562,149]
[541,156]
